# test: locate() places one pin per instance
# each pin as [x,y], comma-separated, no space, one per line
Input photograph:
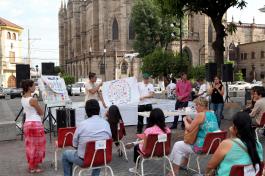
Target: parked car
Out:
[81,85]
[13,92]
[76,89]
[239,86]
[2,95]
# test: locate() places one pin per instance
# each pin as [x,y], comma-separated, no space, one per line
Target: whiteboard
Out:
[122,91]
[53,90]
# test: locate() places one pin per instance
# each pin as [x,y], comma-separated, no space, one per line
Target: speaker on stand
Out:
[22,73]
[47,68]
[227,76]
[210,71]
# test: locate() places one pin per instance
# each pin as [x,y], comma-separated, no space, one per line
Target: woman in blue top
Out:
[206,121]
[241,149]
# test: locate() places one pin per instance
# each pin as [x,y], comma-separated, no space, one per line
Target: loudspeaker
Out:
[227,73]
[22,73]
[210,71]
[65,118]
[47,68]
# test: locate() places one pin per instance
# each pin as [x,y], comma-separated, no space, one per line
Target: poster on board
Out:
[53,90]
[122,91]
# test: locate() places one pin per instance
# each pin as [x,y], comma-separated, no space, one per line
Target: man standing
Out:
[92,129]
[183,92]
[147,91]
[92,89]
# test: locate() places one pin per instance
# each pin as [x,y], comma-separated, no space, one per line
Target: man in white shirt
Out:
[147,92]
[203,89]
[171,89]
[92,89]
[92,129]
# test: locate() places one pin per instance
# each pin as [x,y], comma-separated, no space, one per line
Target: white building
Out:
[10,52]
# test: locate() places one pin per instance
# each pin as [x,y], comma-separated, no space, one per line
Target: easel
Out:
[52,120]
[22,122]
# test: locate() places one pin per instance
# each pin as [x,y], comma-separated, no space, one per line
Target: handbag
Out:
[191,136]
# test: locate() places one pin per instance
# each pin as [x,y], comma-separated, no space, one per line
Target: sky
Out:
[41,18]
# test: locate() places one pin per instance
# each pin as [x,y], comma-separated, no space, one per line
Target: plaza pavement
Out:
[12,154]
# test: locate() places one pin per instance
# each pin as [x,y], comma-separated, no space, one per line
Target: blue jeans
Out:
[69,158]
[218,110]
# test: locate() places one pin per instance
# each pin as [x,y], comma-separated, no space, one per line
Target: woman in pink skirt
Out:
[35,140]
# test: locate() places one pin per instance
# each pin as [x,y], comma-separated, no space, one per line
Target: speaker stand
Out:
[22,122]
[227,97]
[50,118]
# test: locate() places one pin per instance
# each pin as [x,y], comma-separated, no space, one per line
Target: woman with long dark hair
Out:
[217,100]
[35,140]
[241,149]
[156,125]
[114,118]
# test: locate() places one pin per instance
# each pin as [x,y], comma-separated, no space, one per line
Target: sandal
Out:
[31,171]
[38,170]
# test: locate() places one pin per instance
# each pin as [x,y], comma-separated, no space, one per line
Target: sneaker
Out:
[133,170]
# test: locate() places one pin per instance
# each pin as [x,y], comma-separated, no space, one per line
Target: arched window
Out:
[14,36]
[8,35]
[124,68]
[115,30]
[210,33]
[131,31]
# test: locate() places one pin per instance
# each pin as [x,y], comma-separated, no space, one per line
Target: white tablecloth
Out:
[129,113]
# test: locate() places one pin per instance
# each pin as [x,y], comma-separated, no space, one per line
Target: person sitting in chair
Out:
[92,129]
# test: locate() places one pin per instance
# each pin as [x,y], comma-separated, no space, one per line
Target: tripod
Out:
[51,118]
[23,121]
[227,97]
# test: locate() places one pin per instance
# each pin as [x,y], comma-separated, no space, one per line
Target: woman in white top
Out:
[35,140]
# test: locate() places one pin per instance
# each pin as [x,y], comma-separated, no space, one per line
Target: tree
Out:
[68,79]
[151,26]
[164,63]
[197,72]
[58,69]
[215,9]
[239,76]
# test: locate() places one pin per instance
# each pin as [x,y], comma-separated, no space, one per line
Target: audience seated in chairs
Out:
[91,129]
[206,121]
[156,125]
[117,128]
[241,149]
[259,107]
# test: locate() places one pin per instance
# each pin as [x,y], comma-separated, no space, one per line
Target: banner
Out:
[122,91]
[53,90]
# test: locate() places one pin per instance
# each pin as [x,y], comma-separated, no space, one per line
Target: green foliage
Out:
[58,69]
[68,79]
[239,76]
[197,72]
[152,28]
[213,9]
[164,63]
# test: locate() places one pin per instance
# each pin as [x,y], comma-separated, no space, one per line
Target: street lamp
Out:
[37,71]
[104,62]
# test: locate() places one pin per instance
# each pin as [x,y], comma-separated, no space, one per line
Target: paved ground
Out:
[12,155]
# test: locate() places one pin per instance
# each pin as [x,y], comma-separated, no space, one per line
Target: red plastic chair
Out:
[65,139]
[120,134]
[260,126]
[239,170]
[98,154]
[157,147]
[211,143]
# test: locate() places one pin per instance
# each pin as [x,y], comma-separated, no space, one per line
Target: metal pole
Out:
[180,37]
